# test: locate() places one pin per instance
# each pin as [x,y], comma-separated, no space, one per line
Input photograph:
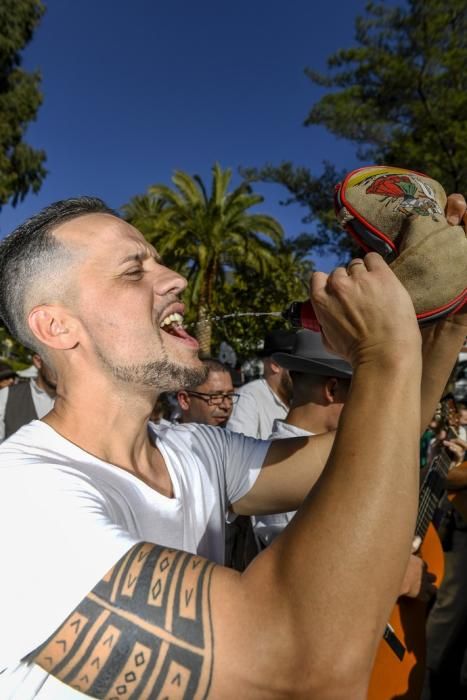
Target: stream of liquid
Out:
[233,315]
[245,313]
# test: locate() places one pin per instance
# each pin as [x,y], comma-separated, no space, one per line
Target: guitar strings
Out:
[430,499]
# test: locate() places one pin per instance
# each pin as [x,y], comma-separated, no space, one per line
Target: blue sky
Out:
[134,90]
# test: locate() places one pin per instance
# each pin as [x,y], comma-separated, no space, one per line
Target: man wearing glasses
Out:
[210,402]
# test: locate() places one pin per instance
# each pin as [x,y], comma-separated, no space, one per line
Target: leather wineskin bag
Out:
[400,214]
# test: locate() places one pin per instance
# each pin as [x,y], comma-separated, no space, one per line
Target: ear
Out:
[54,327]
[183,400]
[275,368]
[330,389]
[37,361]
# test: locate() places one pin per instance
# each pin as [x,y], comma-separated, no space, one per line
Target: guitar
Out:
[401,676]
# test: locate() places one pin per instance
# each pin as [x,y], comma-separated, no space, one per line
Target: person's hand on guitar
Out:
[456,479]
[417,581]
[456,448]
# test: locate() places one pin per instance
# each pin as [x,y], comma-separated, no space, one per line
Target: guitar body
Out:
[391,678]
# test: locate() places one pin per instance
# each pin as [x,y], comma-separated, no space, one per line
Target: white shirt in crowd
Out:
[67,517]
[256,410]
[267,527]
[281,429]
[43,404]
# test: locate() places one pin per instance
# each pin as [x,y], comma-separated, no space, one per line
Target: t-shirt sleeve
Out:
[268,527]
[244,457]
[245,418]
[58,541]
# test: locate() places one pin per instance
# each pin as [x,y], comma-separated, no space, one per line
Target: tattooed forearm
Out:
[143,632]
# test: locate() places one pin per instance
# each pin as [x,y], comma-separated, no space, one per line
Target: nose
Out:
[168,281]
[226,404]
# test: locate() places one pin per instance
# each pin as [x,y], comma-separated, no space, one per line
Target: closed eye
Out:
[139,272]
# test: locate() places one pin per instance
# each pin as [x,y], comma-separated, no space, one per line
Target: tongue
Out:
[179,332]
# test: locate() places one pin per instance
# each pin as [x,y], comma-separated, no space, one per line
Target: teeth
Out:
[175,319]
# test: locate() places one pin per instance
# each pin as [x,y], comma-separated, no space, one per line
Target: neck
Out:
[43,385]
[110,421]
[310,417]
[275,384]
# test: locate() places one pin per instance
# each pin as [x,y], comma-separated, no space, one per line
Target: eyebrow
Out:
[140,257]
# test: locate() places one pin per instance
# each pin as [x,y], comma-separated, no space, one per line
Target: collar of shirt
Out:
[276,397]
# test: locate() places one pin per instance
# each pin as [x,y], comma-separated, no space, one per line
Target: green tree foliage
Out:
[212,237]
[21,167]
[13,352]
[315,195]
[400,94]
[246,293]
[143,212]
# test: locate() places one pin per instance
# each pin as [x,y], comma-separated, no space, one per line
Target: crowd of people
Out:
[171,535]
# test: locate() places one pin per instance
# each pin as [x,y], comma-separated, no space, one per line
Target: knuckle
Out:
[457,197]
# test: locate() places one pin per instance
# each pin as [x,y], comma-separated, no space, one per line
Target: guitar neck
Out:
[434,485]
[432,491]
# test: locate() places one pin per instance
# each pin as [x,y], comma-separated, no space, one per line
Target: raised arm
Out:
[294,465]
[443,341]
[304,620]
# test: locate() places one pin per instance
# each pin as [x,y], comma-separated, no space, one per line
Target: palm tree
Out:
[205,235]
[143,212]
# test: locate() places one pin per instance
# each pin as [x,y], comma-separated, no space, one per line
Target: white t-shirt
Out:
[256,409]
[67,517]
[281,430]
[267,527]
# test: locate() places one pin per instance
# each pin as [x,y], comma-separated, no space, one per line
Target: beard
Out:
[162,375]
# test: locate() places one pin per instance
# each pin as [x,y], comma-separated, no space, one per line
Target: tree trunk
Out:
[203,331]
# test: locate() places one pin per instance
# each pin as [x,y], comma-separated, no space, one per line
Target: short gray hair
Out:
[28,258]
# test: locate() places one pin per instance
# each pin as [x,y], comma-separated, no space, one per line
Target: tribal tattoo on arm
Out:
[143,632]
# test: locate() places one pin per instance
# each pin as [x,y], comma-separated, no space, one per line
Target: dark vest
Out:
[19,408]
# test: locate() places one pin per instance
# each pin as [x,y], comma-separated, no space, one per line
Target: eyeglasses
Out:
[215,399]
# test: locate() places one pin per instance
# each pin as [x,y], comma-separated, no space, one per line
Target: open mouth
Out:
[173,325]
